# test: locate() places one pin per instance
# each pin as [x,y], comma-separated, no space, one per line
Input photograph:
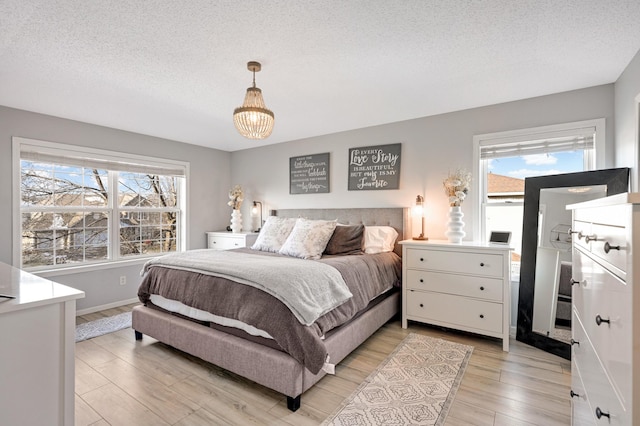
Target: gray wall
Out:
[209,171]
[627,96]
[431,146]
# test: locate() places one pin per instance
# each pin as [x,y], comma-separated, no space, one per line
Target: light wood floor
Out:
[123,382]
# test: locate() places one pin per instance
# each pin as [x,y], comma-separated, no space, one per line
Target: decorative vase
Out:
[236,221]
[454,233]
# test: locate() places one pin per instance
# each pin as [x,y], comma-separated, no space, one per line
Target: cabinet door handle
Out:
[600,320]
[572,394]
[608,247]
[600,413]
[574,342]
[571,231]
[590,238]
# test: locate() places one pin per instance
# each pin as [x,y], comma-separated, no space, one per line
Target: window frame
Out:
[479,190]
[120,159]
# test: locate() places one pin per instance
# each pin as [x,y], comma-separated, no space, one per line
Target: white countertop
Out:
[463,244]
[30,290]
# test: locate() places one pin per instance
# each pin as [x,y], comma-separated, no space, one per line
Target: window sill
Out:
[79,269]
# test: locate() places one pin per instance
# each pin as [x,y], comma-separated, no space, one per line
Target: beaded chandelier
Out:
[253,120]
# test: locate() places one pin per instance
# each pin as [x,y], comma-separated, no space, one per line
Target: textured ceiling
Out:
[177,69]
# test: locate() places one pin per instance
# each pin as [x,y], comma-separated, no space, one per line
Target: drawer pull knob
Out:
[571,231]
[421,259]
[574,342]
[481,263]
[481,316]
[590,238]
[421,280]
[573,282]
[608,247]
[572,393]
[600,320]
[600,413]
[481,288]
[421,305]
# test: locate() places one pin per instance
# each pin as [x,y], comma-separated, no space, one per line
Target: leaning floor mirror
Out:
[544,299]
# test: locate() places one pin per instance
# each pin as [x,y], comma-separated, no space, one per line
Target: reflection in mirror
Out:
[545,198]
[552,298]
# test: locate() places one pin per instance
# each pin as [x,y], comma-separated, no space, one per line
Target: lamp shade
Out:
[253,120]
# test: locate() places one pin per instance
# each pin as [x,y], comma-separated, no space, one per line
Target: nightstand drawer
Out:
[489,265]
[229,240]
[454,311]
[463,285]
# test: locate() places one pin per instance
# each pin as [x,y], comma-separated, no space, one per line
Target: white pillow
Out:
[309,238]
[379,239]
[274,233]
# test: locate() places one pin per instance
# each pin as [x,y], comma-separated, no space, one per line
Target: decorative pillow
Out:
[346,239]
[274,233]
[308,238]
[379,239]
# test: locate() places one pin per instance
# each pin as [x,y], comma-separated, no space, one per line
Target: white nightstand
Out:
[462,286]
[223,240]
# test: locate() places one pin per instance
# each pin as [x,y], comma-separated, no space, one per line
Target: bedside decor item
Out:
[257,211]
[253,120]
[374,167]
[235,201]
[456,186]
[419,210]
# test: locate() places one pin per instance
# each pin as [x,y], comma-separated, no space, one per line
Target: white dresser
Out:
[223,240]
[605,383]
[462,286]
[37,350]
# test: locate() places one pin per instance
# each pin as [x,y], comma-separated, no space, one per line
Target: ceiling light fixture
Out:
[253,120]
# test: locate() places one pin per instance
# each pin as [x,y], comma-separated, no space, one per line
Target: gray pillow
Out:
[346,239]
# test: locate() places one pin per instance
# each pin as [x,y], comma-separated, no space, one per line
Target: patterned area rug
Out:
[415,385]
[102,326]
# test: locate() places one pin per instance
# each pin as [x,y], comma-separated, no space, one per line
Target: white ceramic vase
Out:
[236,221]
[455,225]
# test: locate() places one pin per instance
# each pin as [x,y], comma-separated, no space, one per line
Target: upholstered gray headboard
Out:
[396,217]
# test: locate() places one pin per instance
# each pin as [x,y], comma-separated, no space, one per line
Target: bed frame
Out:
[276,369]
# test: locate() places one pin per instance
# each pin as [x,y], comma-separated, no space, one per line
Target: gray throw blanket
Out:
[308,289]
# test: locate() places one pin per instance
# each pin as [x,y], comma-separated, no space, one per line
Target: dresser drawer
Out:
[457,311]
[600,392]
[610,245]
[602,294]
[490,265]
[463,285]
[581,413]
[604,215]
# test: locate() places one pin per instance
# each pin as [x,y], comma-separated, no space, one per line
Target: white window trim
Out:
[17,145]
[532,133]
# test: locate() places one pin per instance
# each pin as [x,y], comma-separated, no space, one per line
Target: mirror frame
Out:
[617,181]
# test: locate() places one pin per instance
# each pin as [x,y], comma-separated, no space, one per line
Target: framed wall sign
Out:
[374,167]
[309,174]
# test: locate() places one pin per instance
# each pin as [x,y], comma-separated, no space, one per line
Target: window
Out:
[79,206]
[505,159]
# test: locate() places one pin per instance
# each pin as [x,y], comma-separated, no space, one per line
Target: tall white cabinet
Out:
[37,347]
[605,352]
[463,286]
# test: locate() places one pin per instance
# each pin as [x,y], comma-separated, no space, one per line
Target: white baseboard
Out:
[107,306]
[512,331]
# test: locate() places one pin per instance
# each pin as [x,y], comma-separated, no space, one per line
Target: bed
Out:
[265,360]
